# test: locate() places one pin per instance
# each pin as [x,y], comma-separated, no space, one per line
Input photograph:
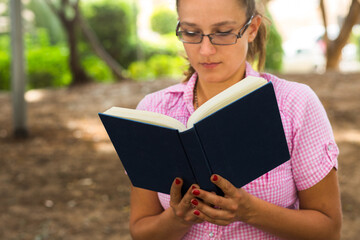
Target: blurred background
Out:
[63,61]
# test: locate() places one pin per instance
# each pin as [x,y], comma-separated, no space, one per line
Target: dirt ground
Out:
[65,181]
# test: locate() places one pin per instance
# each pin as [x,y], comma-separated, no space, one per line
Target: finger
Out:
[186,200]
[224,185]
[204,217]
[212,199]
[215,213]
[175,191]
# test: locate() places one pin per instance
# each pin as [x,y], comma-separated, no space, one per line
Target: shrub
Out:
[4,62]
[46,64]
[114,22]
[45,18]
[158,66]
[97,69]
[166,45]
[274,50]
[48,67]
[163,21]
[4,70]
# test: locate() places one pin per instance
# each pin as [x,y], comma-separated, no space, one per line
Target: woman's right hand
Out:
[183,206]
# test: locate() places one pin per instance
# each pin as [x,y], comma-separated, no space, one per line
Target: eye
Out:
[190,34]
[224,33]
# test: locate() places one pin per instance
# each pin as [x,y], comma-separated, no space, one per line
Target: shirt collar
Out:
[249,71]
[189,93]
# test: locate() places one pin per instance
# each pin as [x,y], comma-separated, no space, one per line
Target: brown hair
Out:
[257,48]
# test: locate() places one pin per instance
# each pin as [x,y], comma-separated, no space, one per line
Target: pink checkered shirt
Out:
[310,140]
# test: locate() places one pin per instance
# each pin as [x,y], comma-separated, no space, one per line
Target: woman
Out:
[299,199]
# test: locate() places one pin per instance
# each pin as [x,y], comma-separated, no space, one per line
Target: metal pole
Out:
[18,81]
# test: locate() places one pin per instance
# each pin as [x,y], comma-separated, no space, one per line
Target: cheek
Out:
[191,52]
[235,56]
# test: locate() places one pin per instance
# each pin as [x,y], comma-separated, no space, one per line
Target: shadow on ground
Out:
[66,182]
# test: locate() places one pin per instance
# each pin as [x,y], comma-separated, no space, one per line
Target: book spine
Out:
[197,159]
[187,182]
[215,189]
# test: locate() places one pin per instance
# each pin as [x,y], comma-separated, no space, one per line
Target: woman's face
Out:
[216,63]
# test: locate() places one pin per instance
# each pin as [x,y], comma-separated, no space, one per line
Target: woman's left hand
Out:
[236,205]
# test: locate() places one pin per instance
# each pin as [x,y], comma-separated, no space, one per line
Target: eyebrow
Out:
[214,25]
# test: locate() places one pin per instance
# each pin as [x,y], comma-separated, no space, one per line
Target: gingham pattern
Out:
[309,137]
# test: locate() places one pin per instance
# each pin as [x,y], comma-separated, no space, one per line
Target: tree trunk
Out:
[334,47]
[99,49]
[79,75]
[324,18]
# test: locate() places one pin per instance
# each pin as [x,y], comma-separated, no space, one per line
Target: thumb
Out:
[175,191]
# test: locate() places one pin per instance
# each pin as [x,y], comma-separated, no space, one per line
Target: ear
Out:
[254,28]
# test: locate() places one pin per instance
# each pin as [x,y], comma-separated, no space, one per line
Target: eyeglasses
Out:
[215,38]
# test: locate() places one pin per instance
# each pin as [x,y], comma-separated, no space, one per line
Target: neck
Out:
[206,90]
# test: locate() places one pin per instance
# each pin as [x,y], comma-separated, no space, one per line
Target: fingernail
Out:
[194,202]
[196,212]
[177,181]
[193,187]
[215,178]
[196,192]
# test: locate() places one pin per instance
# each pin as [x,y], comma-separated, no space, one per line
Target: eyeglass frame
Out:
[239,35]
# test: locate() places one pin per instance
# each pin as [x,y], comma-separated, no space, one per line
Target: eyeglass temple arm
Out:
[243,29]
[177,28]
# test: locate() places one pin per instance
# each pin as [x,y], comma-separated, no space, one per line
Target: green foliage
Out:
[47,65]
[97,69]
[114,22]
[163,21]
[45,18]
[4,9]
[4,70]
[158,66]
[165,45]
[4,62]
[355,39]
[274,50]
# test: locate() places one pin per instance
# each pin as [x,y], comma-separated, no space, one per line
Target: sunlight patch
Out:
[106,147]
[34,95]
[350,135]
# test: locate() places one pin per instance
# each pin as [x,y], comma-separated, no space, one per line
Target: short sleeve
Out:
[144,104]
[314,151]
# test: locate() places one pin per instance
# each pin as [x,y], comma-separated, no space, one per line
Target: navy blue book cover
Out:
[240,142]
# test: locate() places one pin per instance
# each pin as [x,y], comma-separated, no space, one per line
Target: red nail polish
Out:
[194,202]
[177,181]
[215,178]
[193,187]
[196,192]
[196,212]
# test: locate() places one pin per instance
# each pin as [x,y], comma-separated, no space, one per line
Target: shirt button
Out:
[329,147]
[211,234]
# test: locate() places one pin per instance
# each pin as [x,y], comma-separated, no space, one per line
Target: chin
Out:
[211,76]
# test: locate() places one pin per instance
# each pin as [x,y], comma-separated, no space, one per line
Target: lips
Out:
[210,65]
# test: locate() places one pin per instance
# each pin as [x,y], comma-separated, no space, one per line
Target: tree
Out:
[334,47]
[68,13]
[70,16]
[99,49]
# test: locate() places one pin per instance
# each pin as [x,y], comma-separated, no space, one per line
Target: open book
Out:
[237,134]
[219,101]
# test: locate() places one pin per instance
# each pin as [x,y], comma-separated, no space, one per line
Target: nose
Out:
[206,47]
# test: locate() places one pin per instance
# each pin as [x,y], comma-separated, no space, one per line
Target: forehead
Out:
[204,12]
